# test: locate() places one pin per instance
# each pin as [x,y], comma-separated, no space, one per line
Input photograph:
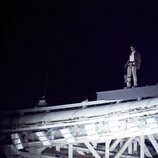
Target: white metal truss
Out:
[114,129]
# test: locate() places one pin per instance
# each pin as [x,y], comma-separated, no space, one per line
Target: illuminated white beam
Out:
[60,107]
[94,144]
[81,121]
[57,148]
[142,147]
[90,147]
[92,111]
[147,152]
[130,148]
[121,142]
[154,142]
[115,143]
[135,146]
[128,142]
[107,147]
[80,138]
[70,152]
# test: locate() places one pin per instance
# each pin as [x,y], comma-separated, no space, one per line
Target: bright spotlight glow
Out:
[67,135]
[43,138]
[16,141]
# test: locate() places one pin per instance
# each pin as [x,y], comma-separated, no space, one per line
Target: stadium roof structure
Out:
[120,123]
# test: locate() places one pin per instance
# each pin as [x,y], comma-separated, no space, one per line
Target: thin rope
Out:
[45,84]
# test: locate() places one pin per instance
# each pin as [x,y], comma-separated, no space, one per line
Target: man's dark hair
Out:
[132,45]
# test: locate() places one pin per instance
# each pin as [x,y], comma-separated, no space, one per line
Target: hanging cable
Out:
[42,101]
[45,84]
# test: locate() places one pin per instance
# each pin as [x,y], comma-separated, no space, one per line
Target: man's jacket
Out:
[137,60]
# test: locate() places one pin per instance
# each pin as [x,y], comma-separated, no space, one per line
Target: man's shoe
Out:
[127,87]
[134,86]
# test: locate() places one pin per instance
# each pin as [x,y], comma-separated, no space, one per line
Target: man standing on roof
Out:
[132,65]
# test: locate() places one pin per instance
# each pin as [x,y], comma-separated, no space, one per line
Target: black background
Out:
[78,46]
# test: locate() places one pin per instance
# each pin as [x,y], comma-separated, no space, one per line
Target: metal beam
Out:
[70,153]
[121,142]
[154,142]
[107,151]
[57,148]
[90,147]
[83,121]
[142,147]
[135,146]
[147,152]
[114,145]
[59,107]
[128,142]
[130,148]
[129,94]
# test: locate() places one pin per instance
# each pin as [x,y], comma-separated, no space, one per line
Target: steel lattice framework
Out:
[101,128]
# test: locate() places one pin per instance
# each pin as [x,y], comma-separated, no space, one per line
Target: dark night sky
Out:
[82,45]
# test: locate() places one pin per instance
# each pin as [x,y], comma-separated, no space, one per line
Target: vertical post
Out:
[107,144]
[130,149]
[114,145]
[57,148]
[70,153]
[141,146]
[121,143]
[135,146]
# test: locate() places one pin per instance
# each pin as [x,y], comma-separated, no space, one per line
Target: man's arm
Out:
[139,60]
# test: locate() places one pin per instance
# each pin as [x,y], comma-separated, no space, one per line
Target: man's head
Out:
[133,48]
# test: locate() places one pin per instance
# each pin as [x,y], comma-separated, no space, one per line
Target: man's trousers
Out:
[131,72]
